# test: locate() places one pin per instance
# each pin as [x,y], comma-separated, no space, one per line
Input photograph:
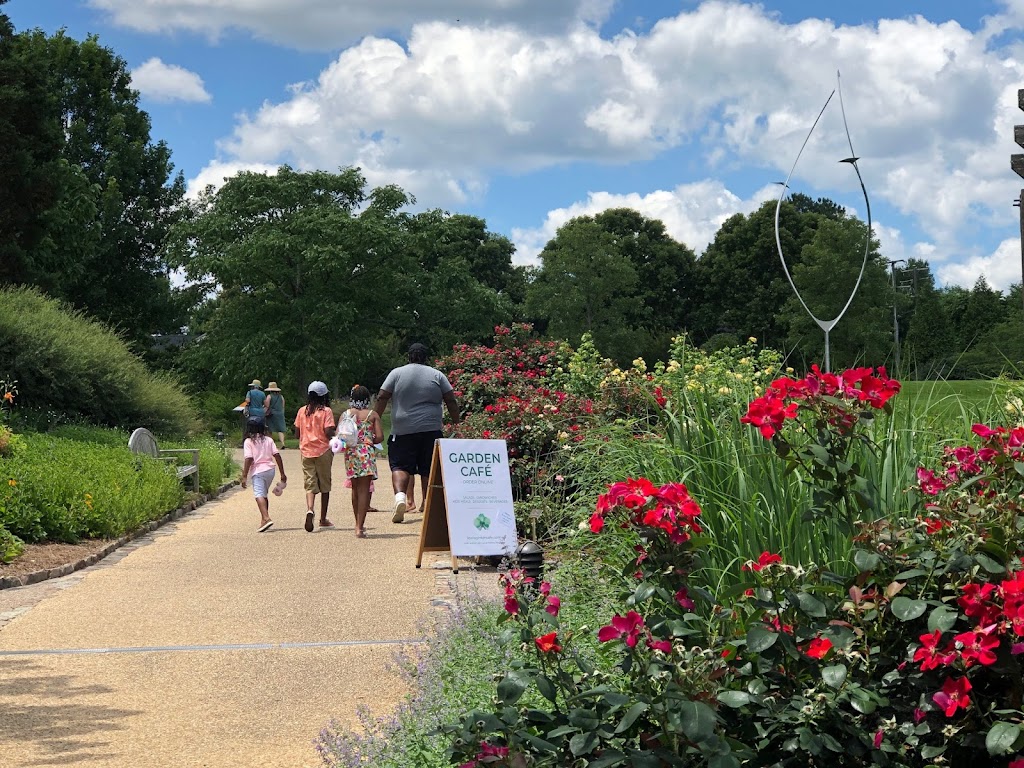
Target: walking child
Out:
[260,453]
[314,424]
[361,458]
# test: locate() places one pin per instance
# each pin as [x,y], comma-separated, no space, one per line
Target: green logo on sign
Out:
[482,522]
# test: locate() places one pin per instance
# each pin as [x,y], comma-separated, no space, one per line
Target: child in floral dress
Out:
[361,459]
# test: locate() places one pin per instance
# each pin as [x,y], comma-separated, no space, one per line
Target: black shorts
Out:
[412,453]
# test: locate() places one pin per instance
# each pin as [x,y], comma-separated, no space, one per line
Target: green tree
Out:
[466,283]
[619,276]
[311,277]
[108,198]
[825,275]
[743,286]
[666,277]
[586,284]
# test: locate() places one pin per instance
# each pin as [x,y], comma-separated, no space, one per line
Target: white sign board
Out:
[478,492]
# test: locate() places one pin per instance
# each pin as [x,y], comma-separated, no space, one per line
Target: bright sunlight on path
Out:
[318,615]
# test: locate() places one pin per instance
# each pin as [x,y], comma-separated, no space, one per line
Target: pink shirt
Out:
[261,452]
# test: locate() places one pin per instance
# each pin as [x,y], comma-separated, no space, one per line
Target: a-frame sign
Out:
[468,509]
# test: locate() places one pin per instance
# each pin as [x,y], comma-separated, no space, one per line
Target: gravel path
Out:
[209,644]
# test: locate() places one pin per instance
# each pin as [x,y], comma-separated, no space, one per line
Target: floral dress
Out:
[361,459]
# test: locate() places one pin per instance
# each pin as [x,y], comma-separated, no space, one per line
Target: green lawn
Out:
[979,400]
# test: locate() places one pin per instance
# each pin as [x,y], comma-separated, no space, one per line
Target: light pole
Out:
[895,318]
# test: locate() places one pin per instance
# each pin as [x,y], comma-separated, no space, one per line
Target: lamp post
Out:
[895,317]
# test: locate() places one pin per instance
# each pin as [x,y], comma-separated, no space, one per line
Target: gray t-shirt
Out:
[417,392]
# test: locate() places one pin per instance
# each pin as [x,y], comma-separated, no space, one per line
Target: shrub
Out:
[515,364]
[73,367]
[87,484]
[10,545]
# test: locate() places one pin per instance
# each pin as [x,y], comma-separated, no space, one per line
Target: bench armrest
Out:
[193,451]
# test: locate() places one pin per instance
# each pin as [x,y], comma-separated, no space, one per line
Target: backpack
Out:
[348,430]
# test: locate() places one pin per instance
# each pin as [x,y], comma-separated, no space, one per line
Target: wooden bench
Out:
[143,441]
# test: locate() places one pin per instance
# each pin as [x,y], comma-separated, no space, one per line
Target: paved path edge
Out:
[8,582]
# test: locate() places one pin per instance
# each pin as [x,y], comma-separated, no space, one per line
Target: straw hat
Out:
[272,387]
[256,384]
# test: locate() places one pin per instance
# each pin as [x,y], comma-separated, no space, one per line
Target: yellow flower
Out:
[639,364]
[739,376]
[744,361]
[769,370]
[12,482]
[789,370]
[699,368]
[724,391]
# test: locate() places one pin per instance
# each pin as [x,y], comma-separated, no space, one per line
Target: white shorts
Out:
[261,483]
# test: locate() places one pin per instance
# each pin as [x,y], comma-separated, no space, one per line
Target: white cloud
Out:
[332,24]
[692,214]
[168,82]
[1000,269]
[214,175]
[930,107]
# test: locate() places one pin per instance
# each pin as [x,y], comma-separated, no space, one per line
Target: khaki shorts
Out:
[316,473]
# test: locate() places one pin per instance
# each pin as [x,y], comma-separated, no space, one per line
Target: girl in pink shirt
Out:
[260,455]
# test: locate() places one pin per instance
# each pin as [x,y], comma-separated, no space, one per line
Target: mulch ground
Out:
[38,557]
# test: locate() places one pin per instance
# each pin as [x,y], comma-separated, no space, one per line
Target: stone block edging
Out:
[67,569]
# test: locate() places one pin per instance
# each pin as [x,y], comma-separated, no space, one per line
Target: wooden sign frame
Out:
[434,535]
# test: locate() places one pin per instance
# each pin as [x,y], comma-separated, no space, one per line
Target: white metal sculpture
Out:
[826,325]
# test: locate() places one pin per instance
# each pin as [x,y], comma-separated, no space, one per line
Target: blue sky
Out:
[528,112]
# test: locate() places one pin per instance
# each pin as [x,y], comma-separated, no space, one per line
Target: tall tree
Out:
[116,197]
[585,283]
[466,283]
[826,275]
[665,271]
[618,275]
[311,276]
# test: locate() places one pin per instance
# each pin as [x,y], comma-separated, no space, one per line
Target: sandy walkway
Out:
[319,615]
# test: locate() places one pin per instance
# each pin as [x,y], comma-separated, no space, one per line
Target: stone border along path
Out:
[205,643]
[25,579]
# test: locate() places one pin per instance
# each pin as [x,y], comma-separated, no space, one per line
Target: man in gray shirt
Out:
[416,392]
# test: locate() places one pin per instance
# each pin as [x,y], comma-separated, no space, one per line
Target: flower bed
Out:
[911,658]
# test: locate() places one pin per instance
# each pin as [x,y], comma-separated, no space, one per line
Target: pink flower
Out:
[879,735]
[919,715]
[627,627]
[1016,764]
[512,605]
[660,645]
[554,605]
[953,695]
[683,599]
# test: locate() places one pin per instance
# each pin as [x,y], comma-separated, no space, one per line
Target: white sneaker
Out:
[400,506]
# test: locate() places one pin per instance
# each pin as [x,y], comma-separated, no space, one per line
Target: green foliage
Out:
[912,657]
[617,276]
[453,673]
[92,196]
[72,365]
[826,274]
[83,482]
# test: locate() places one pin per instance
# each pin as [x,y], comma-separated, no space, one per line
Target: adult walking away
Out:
[416,392]
[255,405]
[314,424]
[275,412]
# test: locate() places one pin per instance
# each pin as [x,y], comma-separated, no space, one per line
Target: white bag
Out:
[348,430]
